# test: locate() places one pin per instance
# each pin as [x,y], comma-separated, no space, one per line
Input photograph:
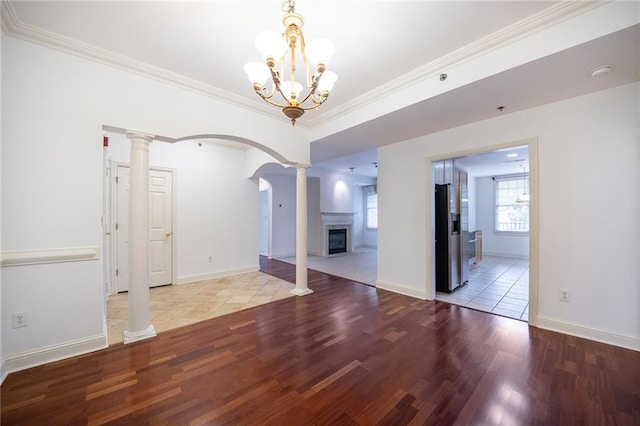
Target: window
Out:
[371,206]
[512,213]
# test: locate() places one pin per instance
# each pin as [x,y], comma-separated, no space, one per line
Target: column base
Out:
[301,291]
[130,337]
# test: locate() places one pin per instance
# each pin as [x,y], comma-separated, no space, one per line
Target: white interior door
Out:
[160,228]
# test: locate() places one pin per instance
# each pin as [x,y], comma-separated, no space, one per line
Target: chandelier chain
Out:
[289,6]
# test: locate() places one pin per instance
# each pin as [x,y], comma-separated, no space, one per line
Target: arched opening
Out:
[213,233]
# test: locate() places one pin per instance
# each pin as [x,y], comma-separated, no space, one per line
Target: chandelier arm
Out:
[309,96]
[315,105]
[270,102]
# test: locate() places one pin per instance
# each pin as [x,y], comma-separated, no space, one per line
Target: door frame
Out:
[113,167]
[534,262]
[269,190]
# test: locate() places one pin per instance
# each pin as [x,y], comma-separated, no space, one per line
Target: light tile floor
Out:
[499,285]
[182,304]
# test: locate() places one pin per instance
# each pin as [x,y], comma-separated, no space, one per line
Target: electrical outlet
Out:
[19,319]
[565,295]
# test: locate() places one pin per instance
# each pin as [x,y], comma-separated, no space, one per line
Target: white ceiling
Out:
[377,42]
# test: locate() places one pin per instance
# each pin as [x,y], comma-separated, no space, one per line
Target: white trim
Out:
[301,292]
[47,354]
[534,263]
[282,255]
[559,12]
[591,333]
[219,274]
[36,257]
[15,28]
[134,336]
[397,288]
[553,15]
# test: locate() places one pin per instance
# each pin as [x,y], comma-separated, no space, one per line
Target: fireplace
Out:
[341,222]
[337,241]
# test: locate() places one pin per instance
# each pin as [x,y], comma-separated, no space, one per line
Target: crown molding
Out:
[537,22]
[12,26]
[559,12]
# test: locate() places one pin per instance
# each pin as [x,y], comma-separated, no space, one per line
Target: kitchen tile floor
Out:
[499,285]
[173,306]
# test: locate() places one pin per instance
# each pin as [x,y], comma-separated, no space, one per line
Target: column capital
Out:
[139,135]
[301,165]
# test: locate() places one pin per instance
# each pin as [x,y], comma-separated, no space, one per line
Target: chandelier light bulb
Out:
[327,81]
[257,72]
[271,45]
[291,91]
[319,51]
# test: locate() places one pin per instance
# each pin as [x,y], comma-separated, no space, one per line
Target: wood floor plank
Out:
[348,354]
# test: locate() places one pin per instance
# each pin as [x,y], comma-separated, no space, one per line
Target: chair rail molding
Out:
[35,257]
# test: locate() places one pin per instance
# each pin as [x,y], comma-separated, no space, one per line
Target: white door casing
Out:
[160,228]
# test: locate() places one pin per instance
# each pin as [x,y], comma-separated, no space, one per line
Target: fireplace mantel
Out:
[336,220]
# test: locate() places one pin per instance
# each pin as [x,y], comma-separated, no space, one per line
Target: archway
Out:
[139,323]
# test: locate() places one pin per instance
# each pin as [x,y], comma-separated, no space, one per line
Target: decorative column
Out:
[139,326]
[301,231]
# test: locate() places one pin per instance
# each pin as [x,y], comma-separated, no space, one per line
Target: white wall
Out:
[342,193]
[283,214]
[336,192]
[364,237]
[2,372]
[314,218]
[326,192]
[53,108]
[589,233]
[265,214]
[216,206]
[493,243]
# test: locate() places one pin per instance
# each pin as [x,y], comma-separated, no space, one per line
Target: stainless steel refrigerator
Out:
[450,271]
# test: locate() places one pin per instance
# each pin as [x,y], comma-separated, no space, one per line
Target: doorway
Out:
[161,236]
[494,239]
[264,246]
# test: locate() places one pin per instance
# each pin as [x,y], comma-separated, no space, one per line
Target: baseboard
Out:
[283,255]
[591,333]
[370,246]
[511,255]
[3,373]
[314,253]
[407,291]
[217,274]
[52,353]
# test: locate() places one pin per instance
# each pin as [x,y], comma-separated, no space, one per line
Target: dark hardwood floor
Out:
[346,354]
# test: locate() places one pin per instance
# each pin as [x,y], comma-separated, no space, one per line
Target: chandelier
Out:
[282,55]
